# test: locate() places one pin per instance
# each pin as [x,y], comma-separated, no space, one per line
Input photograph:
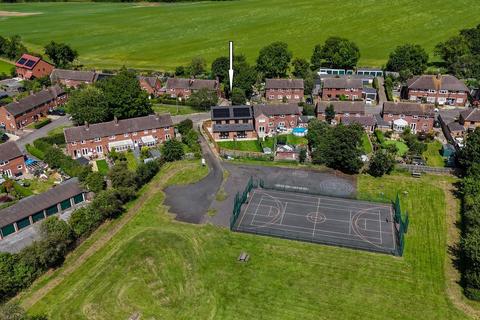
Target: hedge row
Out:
[19,270]
[42,123]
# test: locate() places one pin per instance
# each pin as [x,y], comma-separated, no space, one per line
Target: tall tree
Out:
[301,68]
[329,113]
[203,99]
[382,162]
[245,75]
[12,47]
[61,54]
[238,96]
[274,60]
[336,53]
[124,96]
[88,105]
[220,68]
[470,154]
[197,66]
[408,58]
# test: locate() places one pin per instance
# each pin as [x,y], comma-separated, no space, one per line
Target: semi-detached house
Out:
[95,140]
[12,162]
[19,114]
[416,116]
[271,118]
[439,89]
[278,90]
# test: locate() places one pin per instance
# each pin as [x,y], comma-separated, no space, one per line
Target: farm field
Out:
[164,269]
[112,35]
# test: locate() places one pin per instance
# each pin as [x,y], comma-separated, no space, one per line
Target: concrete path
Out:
[42,132]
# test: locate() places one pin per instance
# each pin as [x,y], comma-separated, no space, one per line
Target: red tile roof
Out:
[24,59]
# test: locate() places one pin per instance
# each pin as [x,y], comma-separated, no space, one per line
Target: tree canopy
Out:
[88,105]
[203,99]
[274,60]
[408,58]
[470,154]
[220,68]
[61,54]
[238,96]
[336,52]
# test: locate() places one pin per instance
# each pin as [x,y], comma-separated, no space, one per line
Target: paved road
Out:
[195,117]
[42,132]
[191,202]
[382,96]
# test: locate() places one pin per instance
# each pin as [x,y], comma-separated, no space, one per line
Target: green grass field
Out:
[433,156]
[166,35]
[402,148]
[174,110]
[163,269]
[247,145]
[102,166]
[5,67]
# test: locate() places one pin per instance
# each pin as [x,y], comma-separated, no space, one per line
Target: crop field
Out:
[163,36]
[162,269]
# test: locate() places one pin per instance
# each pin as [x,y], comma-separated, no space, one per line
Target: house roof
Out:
[111,128]
[151,81]
[363,120]
[455,126]
[27,61]
[438,82]
[275,110]
[409,109]
[34,100]
[343,82]
[77,75]
[283,83]
[192,84]
[380,122]
[370,90]
[232,127]
[36,203]
[9,150]
[231,112]
[471,115]
[342,106]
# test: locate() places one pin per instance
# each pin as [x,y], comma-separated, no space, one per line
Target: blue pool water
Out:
[29,162]
[299,131]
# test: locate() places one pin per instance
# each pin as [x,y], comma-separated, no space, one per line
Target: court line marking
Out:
[246,209]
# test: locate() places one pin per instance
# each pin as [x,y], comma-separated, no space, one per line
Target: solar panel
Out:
[241,112]
[22,61]
[30,63]
[221,113]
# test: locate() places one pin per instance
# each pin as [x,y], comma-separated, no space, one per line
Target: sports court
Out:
[320,219]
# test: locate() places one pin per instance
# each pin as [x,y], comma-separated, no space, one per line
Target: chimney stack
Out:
[87,126]
[115,119]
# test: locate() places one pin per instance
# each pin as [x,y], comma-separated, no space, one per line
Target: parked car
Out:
[57,112]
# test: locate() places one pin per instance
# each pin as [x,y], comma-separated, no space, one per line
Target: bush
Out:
[35,152]
[146,171]
[185,126]
[42,123]
[172,151]
[95,182]
[84,220]
[282,139]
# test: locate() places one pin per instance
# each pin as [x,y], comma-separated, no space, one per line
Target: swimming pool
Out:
[299,131]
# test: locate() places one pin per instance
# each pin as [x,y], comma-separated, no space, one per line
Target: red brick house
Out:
[335,88]
[270,118]
[276,90]
[72,78]
[12,162]
[183,88]
[233,123]
[30,67]
[400,115]
[151,85]
[96,140]
[18,114]
[368,122]
[439,89]
[342,109]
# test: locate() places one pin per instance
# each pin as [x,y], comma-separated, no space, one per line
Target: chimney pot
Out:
[87,125]
[115,119]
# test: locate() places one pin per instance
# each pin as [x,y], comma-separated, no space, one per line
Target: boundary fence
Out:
[240,199]
[401,225]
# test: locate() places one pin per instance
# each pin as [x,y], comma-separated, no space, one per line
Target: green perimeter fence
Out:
[240,199]
[401,223]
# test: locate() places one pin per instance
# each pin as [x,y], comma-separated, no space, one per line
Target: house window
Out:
[271,97]
[245,121]
[19,167]
[125,135]
[415,117]
[4,163]
[431,91]
[241,134]
[279,97]
[459,100]
[154,130]
[167,136]
[97,140]
[282,116]
[99,149]
[83,142]
[74,143]
[112,138]
[443,91]
[297,96]
[261,129]
[390,115]
[270,124]
[224,135]
[145,131]
[84,151]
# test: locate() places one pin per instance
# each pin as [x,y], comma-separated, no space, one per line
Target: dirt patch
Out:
[17,14]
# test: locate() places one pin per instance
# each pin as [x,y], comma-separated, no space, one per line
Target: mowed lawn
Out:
[164,269]
[166,35]
[5,67]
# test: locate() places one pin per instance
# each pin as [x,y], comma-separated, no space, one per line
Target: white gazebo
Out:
[399,125]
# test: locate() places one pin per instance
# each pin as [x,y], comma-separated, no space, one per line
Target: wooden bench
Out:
[416,174]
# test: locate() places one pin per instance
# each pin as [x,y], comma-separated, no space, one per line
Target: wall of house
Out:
[250,135]
[437,97]
[338,116]
[294,95]
[13,167]
[424,124]
[40,70]
[151,90]
[72,83]
[270,124]
[12,124]
[335,94]
[99,147]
